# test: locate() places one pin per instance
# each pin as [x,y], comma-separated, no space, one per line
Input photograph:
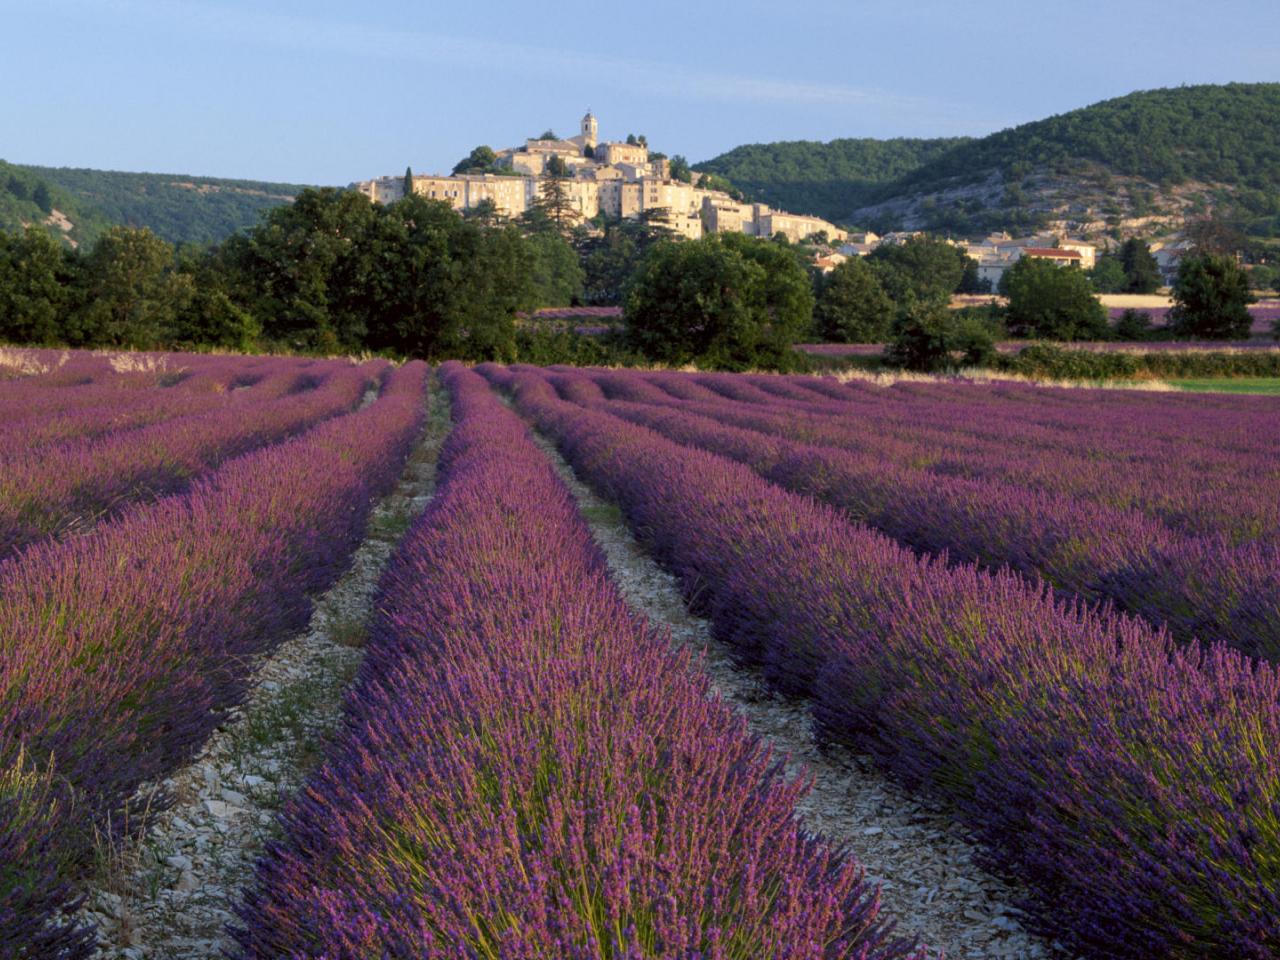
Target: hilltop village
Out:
[615,180]
[620,180]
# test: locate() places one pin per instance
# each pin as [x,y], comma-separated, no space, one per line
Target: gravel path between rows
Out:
[171,895]
[926,869]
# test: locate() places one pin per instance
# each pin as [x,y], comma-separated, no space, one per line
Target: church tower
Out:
[590,130]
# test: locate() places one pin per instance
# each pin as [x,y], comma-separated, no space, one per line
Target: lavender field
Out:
[1044,623]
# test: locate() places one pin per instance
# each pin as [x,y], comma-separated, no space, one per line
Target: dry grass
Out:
[985,376]
[26,363]
[128,362]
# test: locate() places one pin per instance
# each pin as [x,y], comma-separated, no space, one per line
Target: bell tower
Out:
[590,130]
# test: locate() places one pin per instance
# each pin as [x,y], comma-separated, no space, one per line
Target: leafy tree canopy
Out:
[930,338]
[1141,272]
[921,268]
[726,301]
[480,160]
[1211,299]
[852,306]
[1052,302]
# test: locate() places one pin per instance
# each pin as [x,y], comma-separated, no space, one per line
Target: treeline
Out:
[331,273]
[336,273]
[900,295]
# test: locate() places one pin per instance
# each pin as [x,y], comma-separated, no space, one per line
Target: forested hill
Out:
[826,179]
[1157,153]
[1217,134]
[176,207]
[26,198]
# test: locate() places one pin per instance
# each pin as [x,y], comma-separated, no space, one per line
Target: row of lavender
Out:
[47,487]
[1131,782]
[40,409]
[1125,449]
[120,650]
[528,770]
[1200,464]
[1200,587]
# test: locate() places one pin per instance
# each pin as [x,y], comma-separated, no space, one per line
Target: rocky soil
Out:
[925,867]
[172,894]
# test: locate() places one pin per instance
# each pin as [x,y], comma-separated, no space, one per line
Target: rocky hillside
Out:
[1138,163]
[27,199]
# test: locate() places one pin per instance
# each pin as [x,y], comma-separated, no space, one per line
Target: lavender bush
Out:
[528,770]
[121,650]
[1133,784]
[44,489]
[1201,587]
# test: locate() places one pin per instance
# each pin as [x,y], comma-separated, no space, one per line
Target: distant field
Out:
[1270,385]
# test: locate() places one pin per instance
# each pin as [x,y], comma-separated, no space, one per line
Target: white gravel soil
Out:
[925,867]
[172,893]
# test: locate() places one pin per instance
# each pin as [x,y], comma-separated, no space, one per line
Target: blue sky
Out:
[329,92]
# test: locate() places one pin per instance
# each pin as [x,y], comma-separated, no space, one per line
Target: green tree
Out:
[485,213]
[1264,278]
[307,270]
[726,301]
[1052,302]
[788,292]
[555,273]
[852,306]
[408,181]
[922,268]
[971,279]
[680,169]
[480,160]
[610,259]
[1133,325]
[1211,299]
[131,292]
[18,188]
[211,316]
[35,279]
[440,286]
[1142,273]
[41,197]
[554,207]
[930,338]
[657,221]
[1107,275]
[1214,235]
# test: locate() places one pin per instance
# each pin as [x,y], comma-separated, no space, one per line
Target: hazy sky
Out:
[324,91]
